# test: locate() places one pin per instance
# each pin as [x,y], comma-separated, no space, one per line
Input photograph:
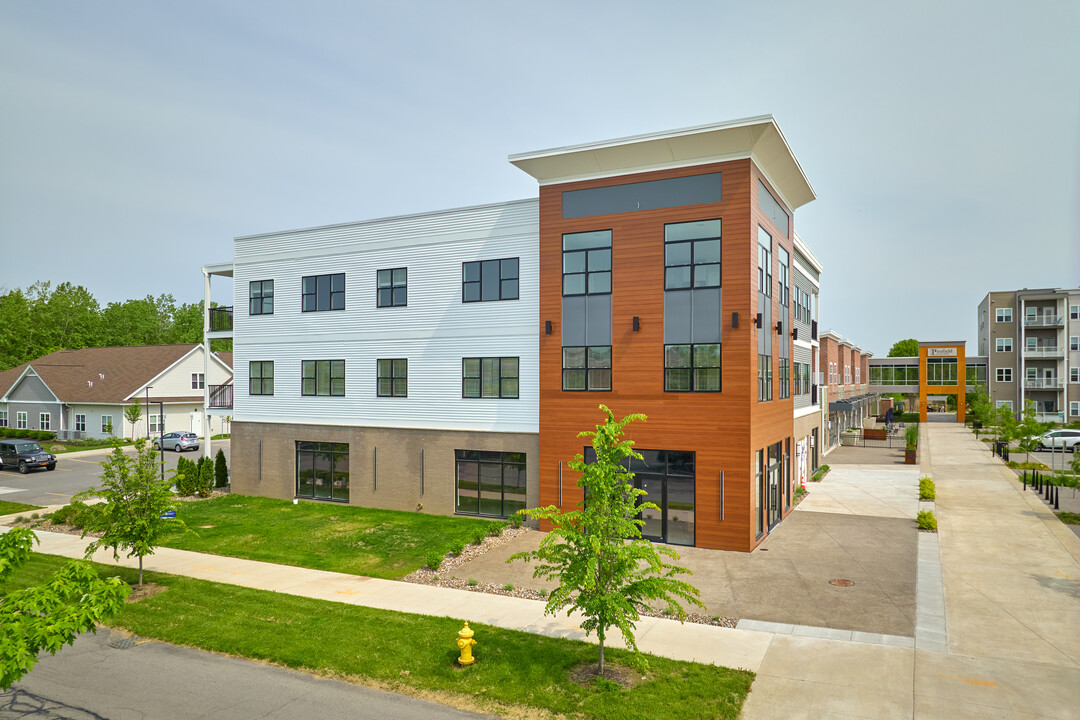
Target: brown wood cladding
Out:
[724,429]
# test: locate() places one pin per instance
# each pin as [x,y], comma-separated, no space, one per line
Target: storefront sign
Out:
[941,352]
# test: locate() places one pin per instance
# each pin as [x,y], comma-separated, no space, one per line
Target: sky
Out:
[942,138]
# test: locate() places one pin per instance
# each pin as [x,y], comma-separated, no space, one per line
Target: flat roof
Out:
[757,137]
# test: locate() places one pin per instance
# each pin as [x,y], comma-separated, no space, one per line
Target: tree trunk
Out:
[601,656]
[140,571]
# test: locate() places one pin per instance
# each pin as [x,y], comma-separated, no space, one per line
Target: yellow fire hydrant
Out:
[465,642]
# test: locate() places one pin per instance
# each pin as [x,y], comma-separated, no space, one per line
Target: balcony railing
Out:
[1044,351]
[221,319]
[1047,320]
[221,396]
[1044,383]
[1050,417]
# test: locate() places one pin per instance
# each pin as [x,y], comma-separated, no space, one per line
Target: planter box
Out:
[909,456]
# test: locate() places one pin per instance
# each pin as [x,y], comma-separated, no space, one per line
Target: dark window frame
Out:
[695,267]
[336,454]
[588,369]
[260,302]
[393,293]
[398,372]
[262,378]
[481,457]
[479,377]
[693,367]
[319,368]
[311,292]
[504,278]
[585,272]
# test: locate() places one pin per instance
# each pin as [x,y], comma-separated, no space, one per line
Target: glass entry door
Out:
[773,484]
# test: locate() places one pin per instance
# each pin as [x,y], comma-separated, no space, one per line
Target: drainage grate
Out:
[124,643]
[841,582]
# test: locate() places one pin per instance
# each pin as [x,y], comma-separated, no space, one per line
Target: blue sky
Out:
[942,138]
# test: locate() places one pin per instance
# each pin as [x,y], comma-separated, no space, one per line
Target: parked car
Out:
[178,441]
[26,455]
[1060,439]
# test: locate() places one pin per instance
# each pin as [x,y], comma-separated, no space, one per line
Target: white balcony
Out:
[1048,320]
[1058,417]
[1044,383]
[1044,351]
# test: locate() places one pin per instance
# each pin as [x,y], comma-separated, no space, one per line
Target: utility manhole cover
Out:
[124,643]
[841,582]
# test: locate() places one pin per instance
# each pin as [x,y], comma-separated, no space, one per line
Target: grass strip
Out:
[10,508]
[1069,518]
[386,544]
[413,654]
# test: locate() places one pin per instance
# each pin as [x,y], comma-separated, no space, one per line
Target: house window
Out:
[261,297]
[1004,375]
[942,371]
[1074,377]
[587,263]
[1005,403]
[322,292]
[783,377]
[782,279]
[490,483]
[261,377]
[1074,343]
[154,424]
[322,471]
[80,423]
[20,421]
[857,368]
[491,377]
[198,381]
[587,368]
[1074,408]
[1074,312]
[1003,345]
[106,424]
[322,377]
[44,421]
[764,262]
[486,280]
[393,287]
[692,255]
[692,368]
[393,378]
[1003,314]
[764,377]
[3,418]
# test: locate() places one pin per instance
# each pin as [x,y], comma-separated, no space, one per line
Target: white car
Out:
[1060,439]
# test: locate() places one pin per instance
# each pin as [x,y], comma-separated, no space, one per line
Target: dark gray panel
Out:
[573,321]
[767,330]
[598,320]
[651,195]
[678,317]
[706,315]
[772,209]
[31,388]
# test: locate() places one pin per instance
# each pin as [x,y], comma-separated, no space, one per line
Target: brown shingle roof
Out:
[99,375]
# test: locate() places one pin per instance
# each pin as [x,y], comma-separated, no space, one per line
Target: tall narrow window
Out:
[692,368]
[587,368]
[261,377]
[393,287]
[692,254]
[323,377]
[489,377]
[44,421]
[322,292]
[80,423]
[393,378]
[198,381]
[486,280]
[106,424]
[261,297]
[20,421]
[587,263]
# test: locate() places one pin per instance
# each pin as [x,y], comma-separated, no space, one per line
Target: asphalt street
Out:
[109,676]
[72,475]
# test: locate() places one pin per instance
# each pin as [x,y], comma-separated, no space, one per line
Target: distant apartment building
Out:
[1031,339]
[846,382]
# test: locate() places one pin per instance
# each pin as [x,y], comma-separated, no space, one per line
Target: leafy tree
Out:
[136,498]
[904,348]
[133,413]
[50,615]
[1029,430]
[979,406]
[1008,426]
[604,568]
[221,470]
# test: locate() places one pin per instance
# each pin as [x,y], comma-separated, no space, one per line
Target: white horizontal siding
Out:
[435,331]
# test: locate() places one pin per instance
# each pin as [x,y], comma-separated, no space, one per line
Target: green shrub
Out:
[926,520]
[221,470]
[909,417]
[187,477]
[478,535]
[516,520]
[473,582]
[78,514]
[821,472]
[508,587]
[204,483]
[457,547]
[433,559]
[495,528]
[926,489]
[911,436]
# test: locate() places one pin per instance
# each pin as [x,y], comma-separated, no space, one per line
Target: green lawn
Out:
[412,653]
[325,536]
[10,508]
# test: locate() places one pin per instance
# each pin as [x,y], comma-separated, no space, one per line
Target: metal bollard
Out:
[1057,489]
[1025,481]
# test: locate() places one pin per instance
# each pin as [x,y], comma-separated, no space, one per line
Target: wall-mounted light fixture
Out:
[795,334]
[734,320]
[637,323]
[779,327]
[547,327]
[757,321]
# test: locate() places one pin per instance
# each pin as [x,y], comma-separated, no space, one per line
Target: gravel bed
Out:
[426,576]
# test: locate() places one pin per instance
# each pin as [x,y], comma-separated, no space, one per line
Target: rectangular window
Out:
[322,471]
[490,483]
[1003,375]
[587,368]
[692,255]
[489,377]
[975,374]
[587,263]
[323,377]
[106,424]
[784,378]
[393,378]
[153,424]
[782,279]
[1003,345]
[692,368]
[1003,314]
[198,381]
[261,297]
[3,418]
[261,377]
[764,262]
[941,371]
[486,280]
[1074,312]
[1074,377]
[80,423]
[772,209]
[1005,403]
[648,195]
[764,376]
[44,421]
[322,292]
[20,421]
[393,287]
[1074,343]
[1074,408]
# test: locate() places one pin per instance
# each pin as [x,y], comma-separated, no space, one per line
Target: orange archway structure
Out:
[942,372]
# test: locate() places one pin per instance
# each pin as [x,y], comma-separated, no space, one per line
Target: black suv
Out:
[26,454]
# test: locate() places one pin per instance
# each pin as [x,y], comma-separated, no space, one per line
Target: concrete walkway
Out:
[997,629]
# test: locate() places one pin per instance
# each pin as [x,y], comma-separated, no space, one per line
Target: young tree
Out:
[50,615]
[904,348]
[136,498]
[979,405]
[133,413]
[1028,431]
[221,470]
[1007,425]
[604,568]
